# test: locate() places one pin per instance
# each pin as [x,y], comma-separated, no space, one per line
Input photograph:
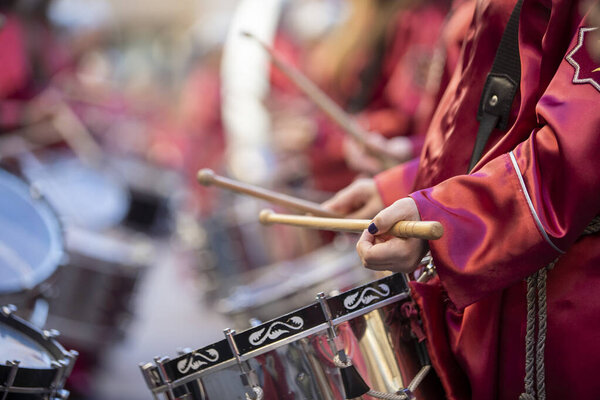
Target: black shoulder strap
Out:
[500,87]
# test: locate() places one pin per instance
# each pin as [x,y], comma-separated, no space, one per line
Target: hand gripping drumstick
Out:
[428,230]
[207,177]
[324,102]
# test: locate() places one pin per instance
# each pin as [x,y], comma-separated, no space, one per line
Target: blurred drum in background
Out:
[125,192]
[237,247]
[155,193]
[252,272]
[36,365]
[279,288]
[261,272]
[91,300]
[298,355]
[31,242]
[83,196]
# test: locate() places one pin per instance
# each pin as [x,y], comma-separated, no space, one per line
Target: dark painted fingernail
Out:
[373,228]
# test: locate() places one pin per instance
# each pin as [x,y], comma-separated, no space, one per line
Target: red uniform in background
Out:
[30,54]
[526,203]
[388,104]
[15,68]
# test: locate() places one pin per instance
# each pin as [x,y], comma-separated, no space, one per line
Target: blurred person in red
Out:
[31,54]
[377,52]
[512,311]
[200,121]
[412,103]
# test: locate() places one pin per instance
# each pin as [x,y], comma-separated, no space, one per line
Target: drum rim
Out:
[56,253]
[157,368]
[63,360]
[64,160]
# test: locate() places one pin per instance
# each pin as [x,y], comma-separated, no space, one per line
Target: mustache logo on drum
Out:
[275,330]
[366,296]
[196,359]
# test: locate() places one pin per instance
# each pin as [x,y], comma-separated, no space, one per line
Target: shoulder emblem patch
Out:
[586,69]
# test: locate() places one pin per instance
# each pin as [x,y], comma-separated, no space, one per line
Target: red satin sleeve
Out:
[397,182]
[494,236]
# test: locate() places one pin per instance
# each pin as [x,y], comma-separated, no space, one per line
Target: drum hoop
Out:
[368,309]
[62,357]
[164,386]
[321,327]
[49,218]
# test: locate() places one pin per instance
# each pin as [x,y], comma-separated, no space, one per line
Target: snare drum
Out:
[292,357]
[37,365]
[31,242]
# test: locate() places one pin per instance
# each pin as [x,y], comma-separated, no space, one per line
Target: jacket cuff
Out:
[396,183]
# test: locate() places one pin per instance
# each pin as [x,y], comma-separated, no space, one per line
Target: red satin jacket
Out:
[525,204]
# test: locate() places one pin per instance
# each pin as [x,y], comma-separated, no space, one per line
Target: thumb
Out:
[401,210]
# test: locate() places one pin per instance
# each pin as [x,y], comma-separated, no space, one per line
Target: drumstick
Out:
[207,177]
[323,101]
[76,134]
[428,230]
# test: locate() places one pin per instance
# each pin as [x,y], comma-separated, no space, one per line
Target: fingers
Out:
[342,201]
[390,253]
[402,210]
[358,159]
[364,244]
[368,209]
[353,198]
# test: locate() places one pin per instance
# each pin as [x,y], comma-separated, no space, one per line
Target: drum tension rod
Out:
[249,377]
[354,384]
[160,363]
[14,367]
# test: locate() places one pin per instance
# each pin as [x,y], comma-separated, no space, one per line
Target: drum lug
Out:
[249,377]
[258,393]
[160,361]
[8,309]
[354,384]
[14,367]
[429,269]
[50,333]
[62,394]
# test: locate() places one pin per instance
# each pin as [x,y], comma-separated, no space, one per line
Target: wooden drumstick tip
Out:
[265,216]
[206,176]
[437,230]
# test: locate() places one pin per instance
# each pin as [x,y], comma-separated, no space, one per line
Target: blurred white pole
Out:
[245,84]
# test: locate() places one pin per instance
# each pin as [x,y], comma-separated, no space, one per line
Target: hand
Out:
[380,251]
[358,200]
[358,159]
[361,157]
[293,133]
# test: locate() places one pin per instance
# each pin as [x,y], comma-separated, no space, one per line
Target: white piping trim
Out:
[530,203]
[575,64]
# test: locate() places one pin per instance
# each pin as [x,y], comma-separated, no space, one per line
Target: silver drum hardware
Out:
[358,343]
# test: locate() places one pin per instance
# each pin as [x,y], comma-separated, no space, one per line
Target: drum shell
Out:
[91,299]
[303,369]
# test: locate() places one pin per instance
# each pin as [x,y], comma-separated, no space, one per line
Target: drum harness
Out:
[494,111]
